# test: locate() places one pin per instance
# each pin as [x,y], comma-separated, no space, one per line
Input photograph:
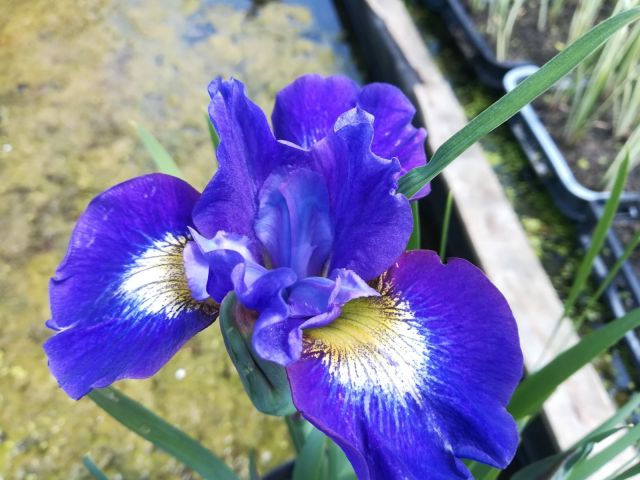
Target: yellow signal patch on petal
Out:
[375,347]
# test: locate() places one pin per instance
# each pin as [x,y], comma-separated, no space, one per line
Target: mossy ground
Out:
[74,74]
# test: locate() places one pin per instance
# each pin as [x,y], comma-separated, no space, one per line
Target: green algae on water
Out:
[75,73]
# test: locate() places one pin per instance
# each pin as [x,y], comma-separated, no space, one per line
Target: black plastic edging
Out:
[488,68]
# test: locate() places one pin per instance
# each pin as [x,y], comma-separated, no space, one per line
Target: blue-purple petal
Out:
[276,336]
[293,221]
[371,223]
[120,302]
[247,154]
[413,381]
[257,287]
[196,270]
[209,263]
[306,111]
[394,135]
[309,303]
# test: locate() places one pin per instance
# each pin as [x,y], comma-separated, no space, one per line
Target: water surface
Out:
[73,75]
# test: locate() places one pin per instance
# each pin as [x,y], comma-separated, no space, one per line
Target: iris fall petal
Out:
[411,382]
[120,302]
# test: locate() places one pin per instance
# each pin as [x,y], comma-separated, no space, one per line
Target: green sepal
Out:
[163,159]
[265,382]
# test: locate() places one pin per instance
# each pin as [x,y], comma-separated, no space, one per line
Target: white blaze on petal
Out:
[375,350]
[155,282]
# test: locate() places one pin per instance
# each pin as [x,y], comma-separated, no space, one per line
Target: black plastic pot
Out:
[471,43]
[571,197]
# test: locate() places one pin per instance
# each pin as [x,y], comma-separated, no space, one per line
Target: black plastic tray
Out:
[575,200]
[622,295]
[571,197]
[471,43]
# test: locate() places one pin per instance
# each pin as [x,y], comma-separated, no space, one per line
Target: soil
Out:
[527,34]
[527,42]
[590,156]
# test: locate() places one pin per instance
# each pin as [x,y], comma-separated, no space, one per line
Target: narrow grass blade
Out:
[560,465]
[632,472]
[588,467]
[586,265]
[537,387]
[620,417]
[311,463]
[444,236]
[164,162]
[253,469]
[598,238]
[414,240]
[163,435]
[93,469]
[507,106]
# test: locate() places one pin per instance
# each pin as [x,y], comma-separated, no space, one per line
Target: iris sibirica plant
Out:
[405,362]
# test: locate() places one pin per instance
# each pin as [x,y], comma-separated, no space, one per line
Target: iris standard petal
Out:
[247,154]
[306,111]
[394,135]
[293,221]
[411,382]
[120,300]
[371,223]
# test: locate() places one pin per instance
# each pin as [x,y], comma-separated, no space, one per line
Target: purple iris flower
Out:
[405,362]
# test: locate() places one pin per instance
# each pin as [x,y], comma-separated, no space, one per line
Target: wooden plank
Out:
[581,403]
